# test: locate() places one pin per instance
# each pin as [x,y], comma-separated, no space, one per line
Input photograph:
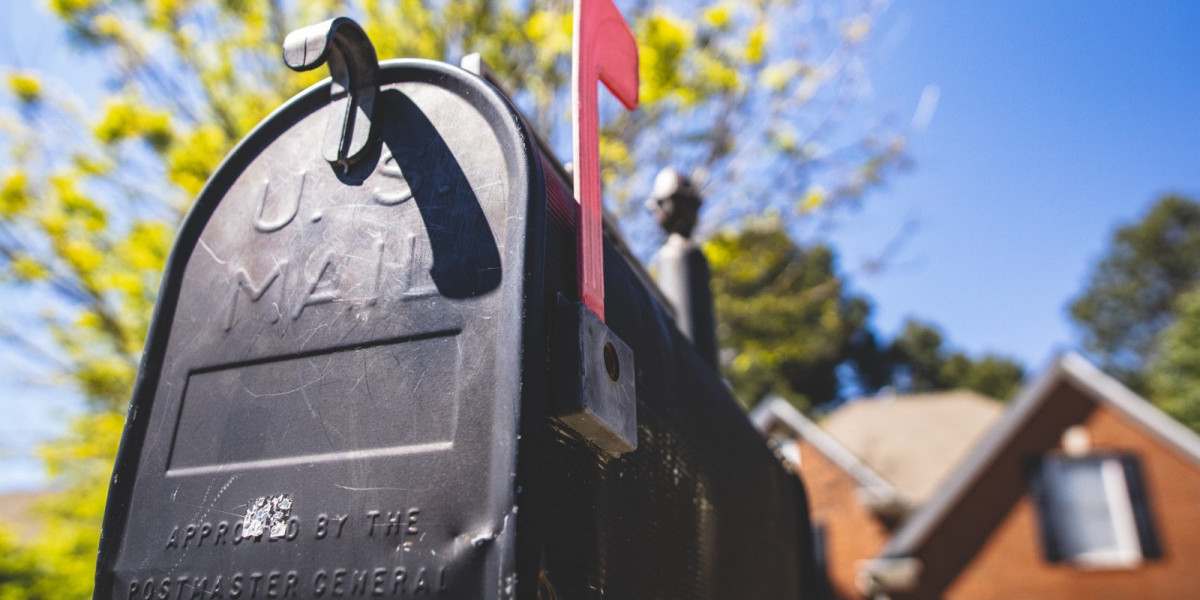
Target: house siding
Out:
[1010,563]
[852,533]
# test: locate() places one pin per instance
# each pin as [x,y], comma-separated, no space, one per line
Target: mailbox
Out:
[366,377]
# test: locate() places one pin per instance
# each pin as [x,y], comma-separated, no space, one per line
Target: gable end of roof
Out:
[1104,389]
[777,411]
[1094,383]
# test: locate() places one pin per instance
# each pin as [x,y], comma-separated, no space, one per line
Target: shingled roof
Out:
[913,441]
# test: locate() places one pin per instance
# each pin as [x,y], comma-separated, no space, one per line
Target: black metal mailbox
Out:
[354,381]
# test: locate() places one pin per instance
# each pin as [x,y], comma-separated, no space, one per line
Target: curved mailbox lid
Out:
[328,400]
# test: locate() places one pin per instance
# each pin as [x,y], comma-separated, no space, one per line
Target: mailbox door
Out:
[329,399]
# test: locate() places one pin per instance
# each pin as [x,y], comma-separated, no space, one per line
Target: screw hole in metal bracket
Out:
[612,364]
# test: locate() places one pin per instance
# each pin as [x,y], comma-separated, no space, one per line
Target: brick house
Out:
[1079,489]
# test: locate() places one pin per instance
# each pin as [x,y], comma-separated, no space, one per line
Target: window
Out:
[1093,510]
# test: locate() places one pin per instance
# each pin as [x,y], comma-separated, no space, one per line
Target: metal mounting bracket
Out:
[595,392]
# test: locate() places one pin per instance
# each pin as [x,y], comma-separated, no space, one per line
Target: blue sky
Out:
[1055,123]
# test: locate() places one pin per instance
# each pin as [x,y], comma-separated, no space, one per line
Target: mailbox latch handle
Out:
[354,69]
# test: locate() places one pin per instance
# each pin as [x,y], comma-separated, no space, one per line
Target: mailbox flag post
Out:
[602,49]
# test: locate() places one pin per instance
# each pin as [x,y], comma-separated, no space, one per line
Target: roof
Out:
[914,441]
[1070,369]
[776,411]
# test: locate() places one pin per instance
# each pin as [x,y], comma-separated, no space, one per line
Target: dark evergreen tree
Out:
[922,363]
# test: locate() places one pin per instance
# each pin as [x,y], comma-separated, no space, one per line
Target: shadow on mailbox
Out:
[465,259]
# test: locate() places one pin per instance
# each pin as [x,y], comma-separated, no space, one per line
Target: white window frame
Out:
[1128,550]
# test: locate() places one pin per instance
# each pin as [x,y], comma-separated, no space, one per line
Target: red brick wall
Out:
[1010,564]
[852,533]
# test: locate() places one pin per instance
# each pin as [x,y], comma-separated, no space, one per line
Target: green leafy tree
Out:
[97,180]
[923,363]
[1173,373]
[787,326]
[19,569]
[918,351]
[1132,294]
[993,376]
[784,319]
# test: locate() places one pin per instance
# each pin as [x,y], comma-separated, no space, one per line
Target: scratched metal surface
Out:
[328,404]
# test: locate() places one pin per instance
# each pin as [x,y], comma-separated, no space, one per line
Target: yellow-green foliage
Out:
[25,87]
[197,155]
[95,181]
[20,571]
[60,563]
[14,194]
[783,311]
[124,119]
[663,42]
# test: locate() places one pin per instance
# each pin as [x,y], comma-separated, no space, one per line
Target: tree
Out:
[785,322]
[919,354]
[1132,294]
[993,376]
[1173,374]
[924,364]
[98,179]
[787,326]
[19,571]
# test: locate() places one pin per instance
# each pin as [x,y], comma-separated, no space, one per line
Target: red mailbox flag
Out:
[603,48]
